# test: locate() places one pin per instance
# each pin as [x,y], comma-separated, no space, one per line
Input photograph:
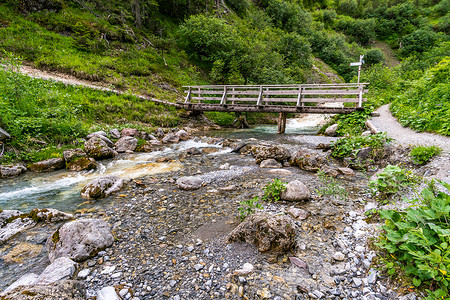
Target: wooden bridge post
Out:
[282,122]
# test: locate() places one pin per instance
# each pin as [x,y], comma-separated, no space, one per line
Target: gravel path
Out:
[406,136]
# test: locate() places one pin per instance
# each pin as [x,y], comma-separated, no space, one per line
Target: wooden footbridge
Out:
[283,99]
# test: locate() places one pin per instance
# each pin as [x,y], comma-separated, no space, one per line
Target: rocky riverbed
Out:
[172,243]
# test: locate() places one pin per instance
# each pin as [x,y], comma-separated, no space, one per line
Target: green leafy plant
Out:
[330,186]
[392,180]
[423,154]
[248,207]
[346,147]
[272,191]
[417,242]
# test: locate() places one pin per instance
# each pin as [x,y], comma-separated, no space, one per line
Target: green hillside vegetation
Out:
[154,47]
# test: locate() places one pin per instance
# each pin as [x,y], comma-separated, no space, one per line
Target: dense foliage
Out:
[417,241]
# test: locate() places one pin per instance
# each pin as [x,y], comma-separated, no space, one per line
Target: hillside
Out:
[154,47]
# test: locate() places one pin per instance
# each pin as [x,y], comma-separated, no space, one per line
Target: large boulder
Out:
[60,269]
[4,135]
[79,239]
[98,149]
[11,171]
[278,153]
[171,138]
[308,161]
[114,133]
[126,143]
[159,133]
[27,279]
[295,191]
[77,160]
[65,289]
[49,215]
[101,187]
[189,183]
[331,130]
[102,135]
[267,232]
[47,165]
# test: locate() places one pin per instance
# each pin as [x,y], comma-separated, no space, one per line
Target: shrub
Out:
[392,180]
[248,207]
[417,42]
[346,147]
[423,154]
[417,241]
[373,57]
[272,191]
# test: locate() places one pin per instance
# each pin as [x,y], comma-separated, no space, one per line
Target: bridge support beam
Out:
[282,122]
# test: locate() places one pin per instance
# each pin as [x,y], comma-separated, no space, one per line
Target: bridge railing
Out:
[294,95]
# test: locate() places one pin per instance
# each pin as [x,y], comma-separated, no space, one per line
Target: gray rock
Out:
[114,133]
[296,191]
[331,130]
[79,240]
[4,135]
[318,294]
[298,213]
[84,273]
[98,149]
[182,135]
[339,256]
[101,187]
[372,278]
[96,133]
[357,281]
[11,171]
[307,160]
[10,224]
[129,132]
[107,293]
[267,232]
[77,160]
[61,268]
[64,289]
[270,163]
[171,138]
[126,143]
[48,165]
[366,133]
[159,133]
[189,183]
[50,215]
[346,171]
[27,279]
[198,267]
[264,152]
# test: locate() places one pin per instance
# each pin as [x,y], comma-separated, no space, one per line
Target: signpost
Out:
[359,64]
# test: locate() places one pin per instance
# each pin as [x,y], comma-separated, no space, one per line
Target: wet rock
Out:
[21,252]
[11,224]
[101,187]
[270,163]
[298,213]
[49,215]
[264,152]
[47,165]
[108,293]
[183,135]
[331,130]
[171,138]
[189,183]
[4,135]
[159,133]
[126,143]
[114,133]
[129,132]
[225,166]
[79,240]
[11,171]
[62,268]
[193,151]
[308,161]
[65,289]
[27,279]
[246,269]
[296,191]
[268,232]
[238,147]
[98,149]
[77,160]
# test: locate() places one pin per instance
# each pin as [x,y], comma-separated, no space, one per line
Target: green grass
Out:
[36,111]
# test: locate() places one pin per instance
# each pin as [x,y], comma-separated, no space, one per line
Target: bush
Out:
[248,207]
[345,147]
[423,154]
[362,31]
[392,180]
[373,57]
[273,191]
[417,241]
[417,42]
